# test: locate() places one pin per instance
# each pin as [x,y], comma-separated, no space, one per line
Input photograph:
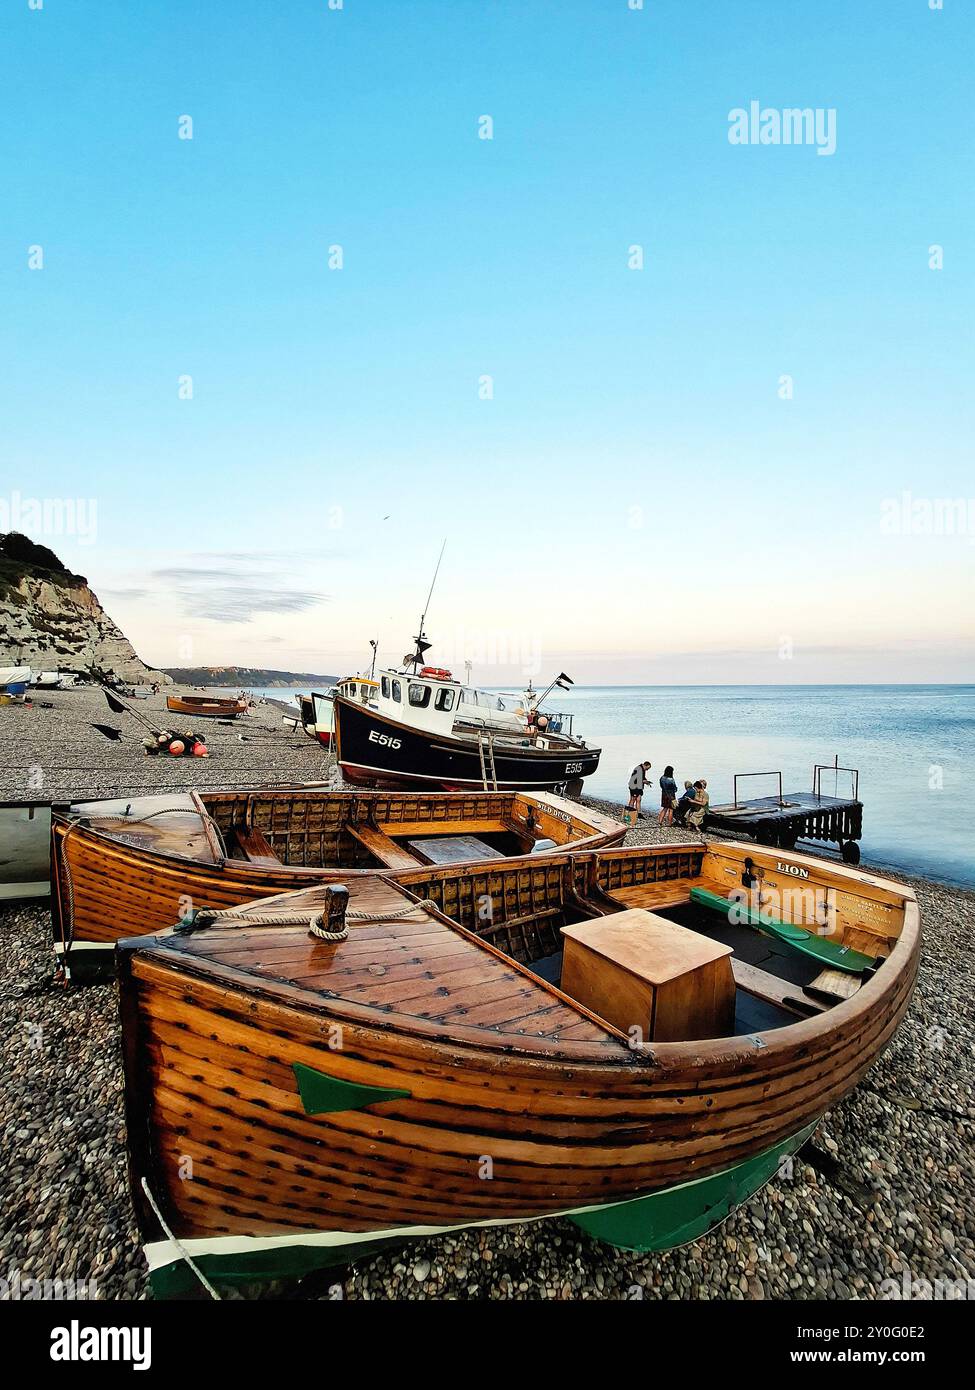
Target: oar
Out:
[798,939]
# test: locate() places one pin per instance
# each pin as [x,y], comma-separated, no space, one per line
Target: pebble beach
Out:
[880,1204]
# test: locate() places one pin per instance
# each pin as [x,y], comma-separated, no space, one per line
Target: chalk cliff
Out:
[51,620]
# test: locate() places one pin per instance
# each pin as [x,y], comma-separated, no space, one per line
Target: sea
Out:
[913,745]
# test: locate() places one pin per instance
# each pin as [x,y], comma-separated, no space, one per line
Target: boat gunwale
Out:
[62,819]
[894,978]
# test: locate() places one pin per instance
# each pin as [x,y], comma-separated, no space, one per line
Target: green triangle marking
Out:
[321,1093]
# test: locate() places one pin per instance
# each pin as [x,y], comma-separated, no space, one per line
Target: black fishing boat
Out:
[418,726]
[427,729]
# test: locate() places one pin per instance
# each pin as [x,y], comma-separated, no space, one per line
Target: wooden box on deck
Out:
[636,969]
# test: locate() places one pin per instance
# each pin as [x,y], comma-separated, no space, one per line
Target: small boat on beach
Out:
[416,726]
[319,1075]
[317,710]
[15,683]
[322,716]
[47,680]
[164,854]
[207,706]
[16,675]
[305,717]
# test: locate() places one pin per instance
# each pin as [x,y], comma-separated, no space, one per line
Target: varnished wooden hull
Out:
[494,1122]
[206,709]
[104,886]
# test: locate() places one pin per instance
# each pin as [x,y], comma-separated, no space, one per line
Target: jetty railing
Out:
[759,774]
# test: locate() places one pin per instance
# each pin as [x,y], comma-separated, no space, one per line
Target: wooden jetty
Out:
[783,819]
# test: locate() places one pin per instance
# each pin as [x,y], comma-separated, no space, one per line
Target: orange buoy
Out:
[177,747]
[200,750]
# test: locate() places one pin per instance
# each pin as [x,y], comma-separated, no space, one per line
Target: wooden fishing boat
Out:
[206,706]
[297,1099]
[163,854]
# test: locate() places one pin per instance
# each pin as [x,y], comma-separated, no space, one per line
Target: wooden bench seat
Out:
[783,993]
[672,892]
[254,847]
[382,847]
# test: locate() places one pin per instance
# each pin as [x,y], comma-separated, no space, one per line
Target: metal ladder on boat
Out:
[485,747]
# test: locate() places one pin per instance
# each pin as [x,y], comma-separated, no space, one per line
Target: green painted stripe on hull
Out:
[89,964]
[658,1221]
[259,1266]
[665,1220]
[322,1094]
[799,939]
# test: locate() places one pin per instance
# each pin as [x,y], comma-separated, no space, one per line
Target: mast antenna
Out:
[422,645]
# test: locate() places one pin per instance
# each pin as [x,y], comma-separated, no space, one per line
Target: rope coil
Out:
[235,917]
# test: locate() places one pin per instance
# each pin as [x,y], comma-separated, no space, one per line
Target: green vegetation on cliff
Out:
[244,677]
[20,557]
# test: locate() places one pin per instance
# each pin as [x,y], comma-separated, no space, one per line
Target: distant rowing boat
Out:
[206,706]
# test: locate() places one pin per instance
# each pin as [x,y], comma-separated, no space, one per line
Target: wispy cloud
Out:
[228,593]
[189,574]
[234,604]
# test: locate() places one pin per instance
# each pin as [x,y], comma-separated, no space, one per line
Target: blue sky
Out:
[636,499]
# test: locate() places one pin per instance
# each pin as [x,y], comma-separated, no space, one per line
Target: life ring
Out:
[435,673]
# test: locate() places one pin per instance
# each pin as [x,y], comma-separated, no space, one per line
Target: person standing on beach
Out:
[668,797]
[637,786]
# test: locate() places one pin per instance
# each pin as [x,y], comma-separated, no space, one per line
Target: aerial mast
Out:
[422,645]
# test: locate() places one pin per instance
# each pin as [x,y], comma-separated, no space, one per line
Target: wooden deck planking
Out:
[411,966]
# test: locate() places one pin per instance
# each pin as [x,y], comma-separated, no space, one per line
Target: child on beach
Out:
[668,797]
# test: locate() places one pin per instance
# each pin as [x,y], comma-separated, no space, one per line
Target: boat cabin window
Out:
[385,686]
[419,694]
[397,692]
[444,700]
